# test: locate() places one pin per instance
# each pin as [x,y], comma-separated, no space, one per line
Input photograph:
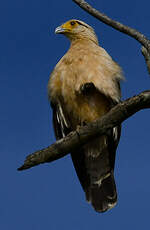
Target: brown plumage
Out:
[83,87]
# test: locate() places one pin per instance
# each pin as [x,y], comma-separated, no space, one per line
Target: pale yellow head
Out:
[76,29]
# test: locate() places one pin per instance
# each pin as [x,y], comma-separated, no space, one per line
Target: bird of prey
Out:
[83,87]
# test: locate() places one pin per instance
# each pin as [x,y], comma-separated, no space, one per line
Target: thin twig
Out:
[116,25]
[83,134]
[147,57]
[119,26]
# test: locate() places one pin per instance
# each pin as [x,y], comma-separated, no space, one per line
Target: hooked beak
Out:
[59,30]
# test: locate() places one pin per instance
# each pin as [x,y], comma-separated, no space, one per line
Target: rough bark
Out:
[115,116]
[146,55]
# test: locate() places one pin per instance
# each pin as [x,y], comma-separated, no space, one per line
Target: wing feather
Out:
[60,120]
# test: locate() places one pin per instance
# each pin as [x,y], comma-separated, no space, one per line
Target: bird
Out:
[83,87]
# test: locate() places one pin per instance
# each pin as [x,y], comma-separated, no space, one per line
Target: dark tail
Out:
[94,167]
[102,195]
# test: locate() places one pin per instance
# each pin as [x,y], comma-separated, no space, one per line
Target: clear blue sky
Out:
[49,196]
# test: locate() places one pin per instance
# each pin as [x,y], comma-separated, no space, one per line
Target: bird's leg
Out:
[87,88]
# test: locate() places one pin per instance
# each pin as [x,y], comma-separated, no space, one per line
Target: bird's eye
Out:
[72,23]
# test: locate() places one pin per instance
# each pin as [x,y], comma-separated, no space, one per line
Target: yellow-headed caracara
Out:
[84,86]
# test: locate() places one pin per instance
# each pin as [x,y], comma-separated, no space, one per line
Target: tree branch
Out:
[118,26]
[73,140]
[146,55]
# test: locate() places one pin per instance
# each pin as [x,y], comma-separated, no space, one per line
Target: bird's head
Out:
[76,29]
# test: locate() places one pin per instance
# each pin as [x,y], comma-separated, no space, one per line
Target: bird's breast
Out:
[80,108]
[80,67]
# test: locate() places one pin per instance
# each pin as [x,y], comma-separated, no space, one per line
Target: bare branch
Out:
[116,25]
[83,134]
[119,26]
[146,55]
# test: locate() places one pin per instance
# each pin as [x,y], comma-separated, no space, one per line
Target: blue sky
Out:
[49,196]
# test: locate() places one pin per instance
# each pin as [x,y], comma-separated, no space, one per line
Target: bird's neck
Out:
[84,36]
[84,40]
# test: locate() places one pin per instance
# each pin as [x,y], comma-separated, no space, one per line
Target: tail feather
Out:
[94,167]
[102,189]
[103,197]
